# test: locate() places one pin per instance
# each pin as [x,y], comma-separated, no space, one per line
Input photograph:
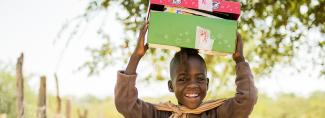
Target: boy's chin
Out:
[192,103]
[192,106]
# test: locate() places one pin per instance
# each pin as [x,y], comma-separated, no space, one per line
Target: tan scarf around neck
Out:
[181,111]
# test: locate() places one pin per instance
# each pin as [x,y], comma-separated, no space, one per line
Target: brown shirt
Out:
[240,106]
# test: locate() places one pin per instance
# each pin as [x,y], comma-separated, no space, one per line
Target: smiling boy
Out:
[189,82]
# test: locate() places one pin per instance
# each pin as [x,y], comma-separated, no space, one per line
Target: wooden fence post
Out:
[58,99]
[68,109]
[20,87]
[41,111]
[83,114]
[3,115]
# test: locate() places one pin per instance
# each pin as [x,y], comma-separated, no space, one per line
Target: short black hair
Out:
[181,58]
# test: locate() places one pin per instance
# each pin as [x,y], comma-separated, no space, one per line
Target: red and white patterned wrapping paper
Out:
[220,6]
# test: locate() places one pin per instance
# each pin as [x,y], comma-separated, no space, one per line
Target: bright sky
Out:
[31,26]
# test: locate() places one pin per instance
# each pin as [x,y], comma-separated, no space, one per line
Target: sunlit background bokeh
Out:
[63,37]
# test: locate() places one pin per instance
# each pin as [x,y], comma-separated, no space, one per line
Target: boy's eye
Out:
[182,78]
[201,79]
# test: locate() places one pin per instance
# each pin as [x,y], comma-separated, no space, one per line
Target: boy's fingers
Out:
[142,34]
[146,46]
[238,43]
[145,26]
[143,29]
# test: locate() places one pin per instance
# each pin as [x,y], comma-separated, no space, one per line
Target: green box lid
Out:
[206,34]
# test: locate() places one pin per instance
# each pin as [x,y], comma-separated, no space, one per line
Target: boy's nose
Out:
[192,84]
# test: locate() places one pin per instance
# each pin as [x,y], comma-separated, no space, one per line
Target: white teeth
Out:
[192,95]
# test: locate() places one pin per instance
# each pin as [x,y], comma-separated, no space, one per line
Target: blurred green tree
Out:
[8,93]
[7,96]
[274,31]
[290,106]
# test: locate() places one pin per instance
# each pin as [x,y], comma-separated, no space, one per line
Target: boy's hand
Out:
[141,48]
[138,52]
[238,56]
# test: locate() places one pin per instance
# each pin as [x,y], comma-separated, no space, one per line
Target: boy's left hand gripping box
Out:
[209,35]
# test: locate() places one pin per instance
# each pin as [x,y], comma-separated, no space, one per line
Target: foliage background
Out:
[285,105]
[276,33]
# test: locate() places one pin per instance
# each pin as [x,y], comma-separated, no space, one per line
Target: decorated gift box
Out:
[215,6]
[175,27]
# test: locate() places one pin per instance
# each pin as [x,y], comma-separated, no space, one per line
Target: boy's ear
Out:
[207,83]
[170,86]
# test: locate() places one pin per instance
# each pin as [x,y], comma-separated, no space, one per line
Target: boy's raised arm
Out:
[138,53]
[245,98]
[126,94]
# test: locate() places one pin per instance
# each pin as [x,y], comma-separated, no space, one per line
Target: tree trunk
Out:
[20,87]
[41,112]
[58,99]
[3,115]
[68,109]
[82,114]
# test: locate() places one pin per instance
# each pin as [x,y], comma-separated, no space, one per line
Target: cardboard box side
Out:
[180,31]
[228,7]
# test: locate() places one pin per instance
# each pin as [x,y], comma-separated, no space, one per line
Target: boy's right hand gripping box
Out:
[200,25]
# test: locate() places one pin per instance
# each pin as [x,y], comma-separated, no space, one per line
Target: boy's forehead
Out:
[194,65]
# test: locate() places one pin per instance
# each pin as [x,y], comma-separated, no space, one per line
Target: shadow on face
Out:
[188,79]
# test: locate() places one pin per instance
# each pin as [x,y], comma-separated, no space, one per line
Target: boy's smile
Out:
[190,85]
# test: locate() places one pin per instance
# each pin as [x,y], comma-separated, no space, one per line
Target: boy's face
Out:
[190,88]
